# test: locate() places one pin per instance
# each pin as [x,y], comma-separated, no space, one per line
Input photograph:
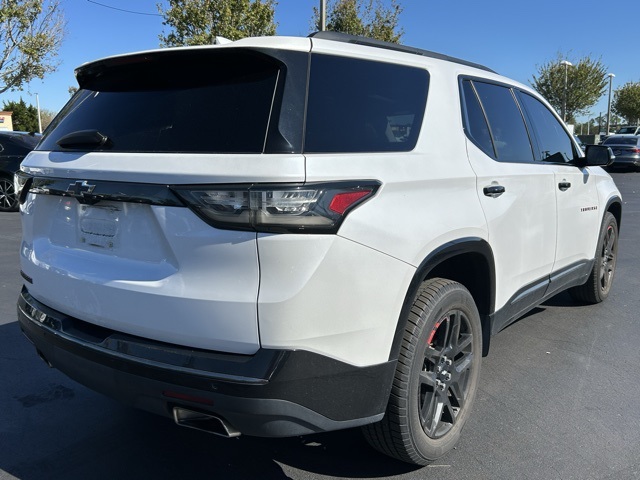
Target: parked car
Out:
[629,130]
[315,246]
[14,146]
[626,149]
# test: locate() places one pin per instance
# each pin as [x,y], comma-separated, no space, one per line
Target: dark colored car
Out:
[629,130]
[626,148]
[14,146]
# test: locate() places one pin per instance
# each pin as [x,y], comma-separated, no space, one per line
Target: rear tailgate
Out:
[107,240]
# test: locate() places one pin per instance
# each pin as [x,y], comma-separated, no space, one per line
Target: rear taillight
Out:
[635,150]
[308,208]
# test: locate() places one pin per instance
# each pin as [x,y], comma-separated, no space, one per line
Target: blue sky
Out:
[513,38]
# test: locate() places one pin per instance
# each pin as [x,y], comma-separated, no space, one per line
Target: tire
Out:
[436,377]
[8,198]
[598,285]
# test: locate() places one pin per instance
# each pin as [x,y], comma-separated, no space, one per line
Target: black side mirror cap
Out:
[596,156]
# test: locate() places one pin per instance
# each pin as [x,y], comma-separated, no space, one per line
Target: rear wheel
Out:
[436,377]
[8,199]
[598,285]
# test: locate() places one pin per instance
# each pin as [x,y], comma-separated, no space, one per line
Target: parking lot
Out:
[559,398]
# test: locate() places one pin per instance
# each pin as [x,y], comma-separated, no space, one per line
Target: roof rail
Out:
[371,42]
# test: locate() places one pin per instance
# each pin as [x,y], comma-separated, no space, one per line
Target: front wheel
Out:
[436,377]
[598,285]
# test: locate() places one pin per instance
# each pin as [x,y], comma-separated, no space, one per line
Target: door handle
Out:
[494,191]
[564,186]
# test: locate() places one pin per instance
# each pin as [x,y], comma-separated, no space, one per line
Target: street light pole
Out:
[323,15]
[610,75]
[566,64]
[39,116]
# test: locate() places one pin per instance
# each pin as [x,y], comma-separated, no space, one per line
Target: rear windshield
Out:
[621,141]
[363,106]
[17,143]
[198,101]
[626,130]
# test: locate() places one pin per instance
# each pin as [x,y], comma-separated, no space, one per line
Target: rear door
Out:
[516,193]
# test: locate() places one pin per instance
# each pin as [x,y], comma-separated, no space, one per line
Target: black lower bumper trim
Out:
[270,393]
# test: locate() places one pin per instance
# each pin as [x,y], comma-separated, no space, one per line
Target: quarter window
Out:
[475,121]
[363,106]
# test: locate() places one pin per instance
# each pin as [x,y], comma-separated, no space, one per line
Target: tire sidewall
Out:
[609,221]
[454,297]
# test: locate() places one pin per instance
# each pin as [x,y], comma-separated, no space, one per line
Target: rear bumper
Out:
[271,393]
[626,161]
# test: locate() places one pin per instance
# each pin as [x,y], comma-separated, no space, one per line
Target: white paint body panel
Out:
[173,278]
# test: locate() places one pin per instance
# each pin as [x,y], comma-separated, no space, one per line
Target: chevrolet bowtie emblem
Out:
[79,188]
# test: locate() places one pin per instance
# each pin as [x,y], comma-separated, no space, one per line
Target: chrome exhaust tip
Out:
[204,422]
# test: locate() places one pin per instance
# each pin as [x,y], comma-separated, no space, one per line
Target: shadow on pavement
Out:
[52,427]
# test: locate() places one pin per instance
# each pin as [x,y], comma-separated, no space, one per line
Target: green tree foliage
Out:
[365,18]
[198,22]
[31,32]
[46,116]
[24,118]
[626,102]
[586,83]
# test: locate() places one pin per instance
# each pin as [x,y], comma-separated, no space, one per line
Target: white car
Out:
[281,236]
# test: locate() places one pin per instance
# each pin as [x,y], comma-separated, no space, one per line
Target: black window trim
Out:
[465,116]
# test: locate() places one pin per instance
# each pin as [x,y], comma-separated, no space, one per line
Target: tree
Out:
[368,19]
[586,83]
[24,118]
[626,102]
[31,33]
[198,22]
[46,116]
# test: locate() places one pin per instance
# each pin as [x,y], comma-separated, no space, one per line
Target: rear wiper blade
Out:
[83,139]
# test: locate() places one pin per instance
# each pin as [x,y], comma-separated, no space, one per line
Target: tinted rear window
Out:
[363,106]
[621,141]
[18,144]
[199,101]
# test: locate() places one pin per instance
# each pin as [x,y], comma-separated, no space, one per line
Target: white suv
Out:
[281,236]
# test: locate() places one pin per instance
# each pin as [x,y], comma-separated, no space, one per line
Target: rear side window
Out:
[200,101]
[553,142]
[363,106]
[510,136]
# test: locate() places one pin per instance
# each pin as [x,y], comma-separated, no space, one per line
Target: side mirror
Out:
[598,156]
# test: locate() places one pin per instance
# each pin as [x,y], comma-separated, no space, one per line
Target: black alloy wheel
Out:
[436,376]
[597,287]
[444,379]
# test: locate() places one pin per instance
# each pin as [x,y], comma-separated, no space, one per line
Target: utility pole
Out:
[39,116]
[566,64]
[610,75]
[323,15]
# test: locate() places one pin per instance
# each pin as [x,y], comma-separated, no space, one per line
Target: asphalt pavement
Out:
[559,398]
